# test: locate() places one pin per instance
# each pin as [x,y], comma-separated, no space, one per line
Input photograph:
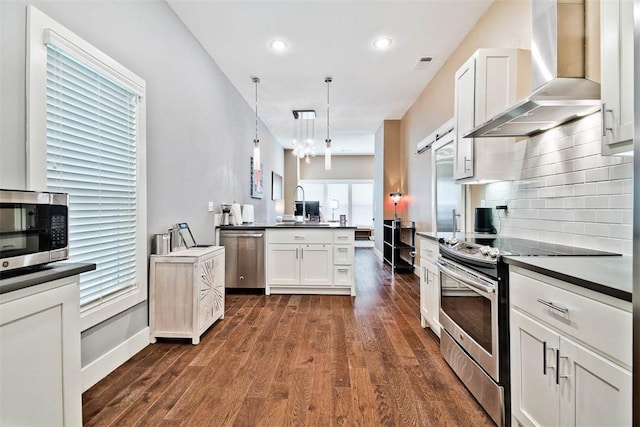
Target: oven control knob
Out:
[493,252]
[484,250]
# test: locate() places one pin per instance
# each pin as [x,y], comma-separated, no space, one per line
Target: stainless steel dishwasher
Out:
[244,258]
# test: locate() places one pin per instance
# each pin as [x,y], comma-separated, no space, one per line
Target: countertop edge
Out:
[584,283]
[284,226]
[55,272]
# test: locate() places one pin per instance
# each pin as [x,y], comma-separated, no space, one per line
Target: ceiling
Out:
[330,38]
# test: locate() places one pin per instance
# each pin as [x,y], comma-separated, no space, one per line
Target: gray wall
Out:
[199,129]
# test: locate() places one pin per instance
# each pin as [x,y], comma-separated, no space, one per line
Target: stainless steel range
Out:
[474,312]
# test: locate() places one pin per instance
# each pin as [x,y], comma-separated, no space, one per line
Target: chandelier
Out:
[304,146]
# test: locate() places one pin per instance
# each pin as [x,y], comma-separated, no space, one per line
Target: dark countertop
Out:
[54,271]
[609,275]
[319,226]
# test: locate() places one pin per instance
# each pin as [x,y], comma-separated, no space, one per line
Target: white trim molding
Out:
[108,362]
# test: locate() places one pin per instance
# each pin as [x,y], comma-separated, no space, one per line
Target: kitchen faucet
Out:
[295,192]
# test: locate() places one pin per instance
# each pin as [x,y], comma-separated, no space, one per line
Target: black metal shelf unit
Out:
[399,245]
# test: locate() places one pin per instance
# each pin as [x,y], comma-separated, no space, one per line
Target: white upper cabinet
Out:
[486,85]
[616,17]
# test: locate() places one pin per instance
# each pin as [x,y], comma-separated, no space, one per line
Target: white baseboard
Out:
[107,363]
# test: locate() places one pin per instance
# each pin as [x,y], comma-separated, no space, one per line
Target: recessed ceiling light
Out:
[382,43]
[278,45]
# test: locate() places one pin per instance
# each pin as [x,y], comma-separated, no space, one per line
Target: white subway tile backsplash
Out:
[584,189]
[610,187]
[574,202]
[573,153]
[567,192]
[599,174]
[574,227]
[585,215]
[610,216]
[621,231]
[555,203]
[574,177]
[608,161]
[564,191]
[622,201]
[624,170]
[597,202]
[599,230]
[592,148]
[538,204]
[585,163]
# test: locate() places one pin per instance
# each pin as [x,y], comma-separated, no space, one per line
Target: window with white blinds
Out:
[91,154]
[86,136]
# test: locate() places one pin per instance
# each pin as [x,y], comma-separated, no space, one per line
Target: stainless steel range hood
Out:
[559,52]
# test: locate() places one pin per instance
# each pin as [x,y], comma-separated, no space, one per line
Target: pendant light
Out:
[256,141]
[327,149]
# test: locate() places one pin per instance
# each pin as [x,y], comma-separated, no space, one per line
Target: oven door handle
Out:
[466,281]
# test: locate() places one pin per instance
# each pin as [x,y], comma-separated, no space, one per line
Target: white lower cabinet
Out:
[40,378]
[310,261]
[186,292]
[429,286]
[300,264]
[565,378]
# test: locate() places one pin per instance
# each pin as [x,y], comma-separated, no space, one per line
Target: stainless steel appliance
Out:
[244,257]
[447,194]
[33,228]
[561,43]
[483,221]
[474,312]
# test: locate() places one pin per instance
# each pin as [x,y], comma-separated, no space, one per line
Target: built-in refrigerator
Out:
[447,193]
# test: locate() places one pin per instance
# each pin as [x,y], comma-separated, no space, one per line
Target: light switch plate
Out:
[210,206]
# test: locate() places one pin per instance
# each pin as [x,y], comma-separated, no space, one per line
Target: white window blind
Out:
[91,154]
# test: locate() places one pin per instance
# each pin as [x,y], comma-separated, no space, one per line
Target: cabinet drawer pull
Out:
[343,270]
[551,305]
[544,358]
[301,253]
[298,237]
[296,253]
[342,249]
[557,366]
[343,237]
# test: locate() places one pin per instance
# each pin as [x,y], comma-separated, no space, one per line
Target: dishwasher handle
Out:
[257,236]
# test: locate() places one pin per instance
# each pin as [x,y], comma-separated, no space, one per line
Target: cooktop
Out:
[524,247]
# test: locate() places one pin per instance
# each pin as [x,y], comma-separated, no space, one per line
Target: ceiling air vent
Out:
[424,62]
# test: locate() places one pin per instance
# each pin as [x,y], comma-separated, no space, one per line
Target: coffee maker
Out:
[226,213]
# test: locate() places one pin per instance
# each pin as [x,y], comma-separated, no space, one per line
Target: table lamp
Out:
[395,196]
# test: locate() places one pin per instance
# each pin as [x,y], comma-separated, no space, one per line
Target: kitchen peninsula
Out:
[308,258]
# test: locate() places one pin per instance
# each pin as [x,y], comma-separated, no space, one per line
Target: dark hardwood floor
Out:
[296,360]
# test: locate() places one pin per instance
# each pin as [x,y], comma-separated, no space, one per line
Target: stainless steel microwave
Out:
[34,228]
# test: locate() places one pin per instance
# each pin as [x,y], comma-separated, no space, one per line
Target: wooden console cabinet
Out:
[186,292]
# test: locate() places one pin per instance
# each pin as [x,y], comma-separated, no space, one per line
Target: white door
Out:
[283,264]
[593,390]
[617,71]
[534,393]
[464,110]
[316,265]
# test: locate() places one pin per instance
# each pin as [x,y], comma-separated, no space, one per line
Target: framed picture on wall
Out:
[276,186]
[256,181]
